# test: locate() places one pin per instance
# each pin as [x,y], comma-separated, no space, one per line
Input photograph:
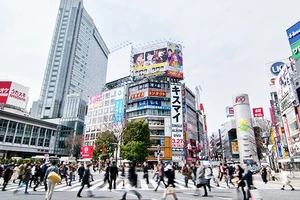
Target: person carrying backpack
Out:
[208,176]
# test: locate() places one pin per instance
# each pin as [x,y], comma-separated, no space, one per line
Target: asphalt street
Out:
[271,191]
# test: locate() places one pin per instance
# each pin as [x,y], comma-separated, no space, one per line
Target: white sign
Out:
[176,116]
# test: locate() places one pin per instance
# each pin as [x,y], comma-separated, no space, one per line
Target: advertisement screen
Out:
[163,59]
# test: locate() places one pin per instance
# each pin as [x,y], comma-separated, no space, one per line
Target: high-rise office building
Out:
[77,62]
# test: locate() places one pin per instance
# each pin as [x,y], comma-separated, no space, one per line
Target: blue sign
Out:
[276,68]
[149,103]
[279,151]
[293,33]
[118,111]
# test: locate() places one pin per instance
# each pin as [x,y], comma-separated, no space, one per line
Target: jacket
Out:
[248,178]
[200,175]
[26,175]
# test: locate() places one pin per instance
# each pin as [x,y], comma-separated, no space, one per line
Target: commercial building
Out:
[23,136]
[77,61]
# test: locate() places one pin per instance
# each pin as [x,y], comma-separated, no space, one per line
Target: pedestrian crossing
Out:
[99,185]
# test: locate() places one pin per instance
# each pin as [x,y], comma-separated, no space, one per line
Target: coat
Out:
[200,178]
[26,175]
[16,173]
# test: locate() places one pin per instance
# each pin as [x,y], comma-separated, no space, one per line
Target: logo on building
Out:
[276,68]
[240,99]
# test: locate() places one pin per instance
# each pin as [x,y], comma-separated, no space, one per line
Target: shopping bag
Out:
[255,195]
[53,176]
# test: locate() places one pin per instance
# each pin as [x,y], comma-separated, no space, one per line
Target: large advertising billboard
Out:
[163,59]
[176,116]
[87,151]
[14,94]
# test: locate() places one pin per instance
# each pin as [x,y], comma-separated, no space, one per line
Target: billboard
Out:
[119,105]
[87,151]
[164,59]
[176,116]
[14,94]
[95,101]
[296,50]
[234,147]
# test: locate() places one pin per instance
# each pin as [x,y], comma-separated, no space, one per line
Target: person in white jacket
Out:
[208,175]
[284,179]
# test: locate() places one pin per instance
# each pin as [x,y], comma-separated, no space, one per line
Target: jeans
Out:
[21,185]
[207,182]
[186,180]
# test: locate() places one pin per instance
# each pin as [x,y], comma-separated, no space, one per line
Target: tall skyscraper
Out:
[77,62]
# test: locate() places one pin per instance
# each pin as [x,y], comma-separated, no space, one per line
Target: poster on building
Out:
[95,101]
[176,116]
[258,112]
[87,151]
[234,147]
[13,94]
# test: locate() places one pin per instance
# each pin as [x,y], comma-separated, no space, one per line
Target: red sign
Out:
[157,93]
[87,151]
[240,99]
[4,91]
[258,112]
[175,74]
[137,95]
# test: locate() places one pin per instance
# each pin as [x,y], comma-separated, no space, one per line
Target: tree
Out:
[73,144]
[136,141]
[104,145]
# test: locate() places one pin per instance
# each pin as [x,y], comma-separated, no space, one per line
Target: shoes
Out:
[282,188]
[195,194]
[4,190]
[79,195]
[155,190]
[91,195]
[26,193]
[15,192]
[205,195]
[34,189]
[293,189]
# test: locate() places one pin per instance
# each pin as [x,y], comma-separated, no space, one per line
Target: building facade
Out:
[23,136]
[77,61]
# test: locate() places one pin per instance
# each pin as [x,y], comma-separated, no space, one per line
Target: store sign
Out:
[229,111]
[13,93]
[137,95]
[176,116]
[296,50]
[258,112]
[276,68]
[157,93]
[293,33]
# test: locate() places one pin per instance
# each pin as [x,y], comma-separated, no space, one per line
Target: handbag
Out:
[53,176]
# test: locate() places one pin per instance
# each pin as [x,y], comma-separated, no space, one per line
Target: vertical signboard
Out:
[288,136]
[258,112]
[176,116]
[293,34]
[118,110]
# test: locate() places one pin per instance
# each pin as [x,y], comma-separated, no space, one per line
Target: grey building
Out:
[77,62]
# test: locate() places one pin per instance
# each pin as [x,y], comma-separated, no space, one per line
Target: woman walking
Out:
[239,174]
[284,179]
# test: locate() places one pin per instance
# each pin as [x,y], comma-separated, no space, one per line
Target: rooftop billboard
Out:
[14,94]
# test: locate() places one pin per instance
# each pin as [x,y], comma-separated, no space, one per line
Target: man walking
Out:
[113,175]
[25,178]
[170,174]
[7,175]
[81,172]
[201,182]
[160,169]
[86,181]
[145,169]
[51,184]
[249,181]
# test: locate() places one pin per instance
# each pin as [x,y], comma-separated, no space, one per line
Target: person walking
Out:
[86,181]
[160,169]
[284,179]
[194,170]
[123,175]
[201,182]
[264,175]
[208,175]
[16,173]
[216,173]
[25,178]
[273,175]
[145,169]
[241,184]
[113,175]
[81,171]
[155,173]
[132,177]
[186,172]
[249,181]
[170,174]
[38,176]
[51,184]
[106,175]
[7,174]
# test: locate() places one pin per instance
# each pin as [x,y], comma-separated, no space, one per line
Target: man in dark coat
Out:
[81,172]
[132,177]
[249,181]
[113,175]
[86,181]
[7,175]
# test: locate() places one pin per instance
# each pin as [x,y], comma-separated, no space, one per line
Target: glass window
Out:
[112,101]
[100,111]
[107,95]
[106,103]
[99,119]
[112,108]
[94,120]
[291,115]
[113,94]
[11,131]
[95,113]
[293,126]
[105,110]
[105,118]
[111,117]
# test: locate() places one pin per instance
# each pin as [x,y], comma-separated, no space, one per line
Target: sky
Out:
[229,45]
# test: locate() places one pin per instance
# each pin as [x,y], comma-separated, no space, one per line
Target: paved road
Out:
[101,191]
